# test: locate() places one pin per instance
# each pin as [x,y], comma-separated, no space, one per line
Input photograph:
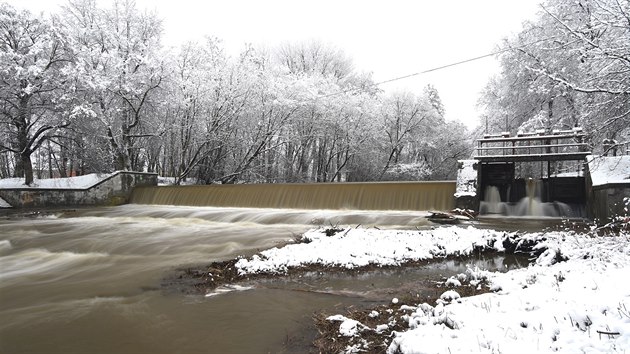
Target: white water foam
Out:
[529,206]
[5,246]
[42,261]
[228,289]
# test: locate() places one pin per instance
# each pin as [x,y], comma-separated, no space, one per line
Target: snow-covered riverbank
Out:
[575,297]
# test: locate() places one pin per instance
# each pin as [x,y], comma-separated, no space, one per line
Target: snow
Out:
[169,181]
[452,281]
[4,204]
[579,305]
[352,248]
[609,169]
[348,327]
[450,295]
[568,174]
[466,179]
[575,296]
[79,182]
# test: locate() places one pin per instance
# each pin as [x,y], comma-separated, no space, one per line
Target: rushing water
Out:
[88,281]
[531,205]
[426,195]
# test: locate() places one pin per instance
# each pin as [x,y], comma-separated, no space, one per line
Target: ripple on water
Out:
[42,261]
[5,247]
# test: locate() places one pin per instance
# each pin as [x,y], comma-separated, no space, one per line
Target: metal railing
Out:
[537,146]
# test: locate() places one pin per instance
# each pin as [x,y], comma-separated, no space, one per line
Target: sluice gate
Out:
[352,196]
[545,173]
[531,174]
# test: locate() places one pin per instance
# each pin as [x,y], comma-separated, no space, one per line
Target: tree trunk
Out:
[25,158]
[19,167]
[120,161]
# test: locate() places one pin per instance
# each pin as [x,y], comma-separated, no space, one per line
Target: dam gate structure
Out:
[531,174]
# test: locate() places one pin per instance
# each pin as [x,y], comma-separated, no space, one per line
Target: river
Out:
[90,280]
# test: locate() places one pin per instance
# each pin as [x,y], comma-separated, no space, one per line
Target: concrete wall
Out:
[114,190]
[606,203]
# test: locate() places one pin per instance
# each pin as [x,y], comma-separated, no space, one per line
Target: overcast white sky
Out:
[388,38]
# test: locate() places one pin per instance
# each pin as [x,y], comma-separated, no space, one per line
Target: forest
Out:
[94,89]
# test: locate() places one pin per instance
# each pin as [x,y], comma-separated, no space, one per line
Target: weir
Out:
[355,196]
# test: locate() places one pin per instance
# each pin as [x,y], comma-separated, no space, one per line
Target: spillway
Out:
[436,195]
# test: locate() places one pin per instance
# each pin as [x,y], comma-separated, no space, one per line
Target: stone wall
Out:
[114,190]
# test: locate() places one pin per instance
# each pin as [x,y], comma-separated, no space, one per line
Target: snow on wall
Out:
[113,189]
[4,204]
[609,169]
[466,179]
[79,182]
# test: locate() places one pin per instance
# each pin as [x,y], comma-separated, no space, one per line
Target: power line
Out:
[436,68]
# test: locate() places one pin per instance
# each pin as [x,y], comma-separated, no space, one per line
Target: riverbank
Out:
[572,298]
[360,250]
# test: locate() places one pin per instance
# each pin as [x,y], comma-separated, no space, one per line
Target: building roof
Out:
[609,170]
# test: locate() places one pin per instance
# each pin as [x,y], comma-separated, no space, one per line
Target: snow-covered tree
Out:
[35,104]
[120,65]
[416,141]
[314,58]
[202,104]
[295,113]
[324,133]
[404,118]
[570,66]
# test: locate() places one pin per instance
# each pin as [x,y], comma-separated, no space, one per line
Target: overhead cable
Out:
[436,68]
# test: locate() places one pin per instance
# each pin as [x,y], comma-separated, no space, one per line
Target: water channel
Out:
[89,280]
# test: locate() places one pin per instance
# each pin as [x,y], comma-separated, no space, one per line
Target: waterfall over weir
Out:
[531,205]
[353,196]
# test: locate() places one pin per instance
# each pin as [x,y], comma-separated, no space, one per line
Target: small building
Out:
[608,183]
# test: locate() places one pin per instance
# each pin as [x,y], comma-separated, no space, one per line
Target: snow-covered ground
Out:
[352,248]
[79,182]
[575,297]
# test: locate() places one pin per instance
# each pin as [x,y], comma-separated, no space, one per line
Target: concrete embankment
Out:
[112,190]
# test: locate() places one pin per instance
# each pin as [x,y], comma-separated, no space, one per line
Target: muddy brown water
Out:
[88,280]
